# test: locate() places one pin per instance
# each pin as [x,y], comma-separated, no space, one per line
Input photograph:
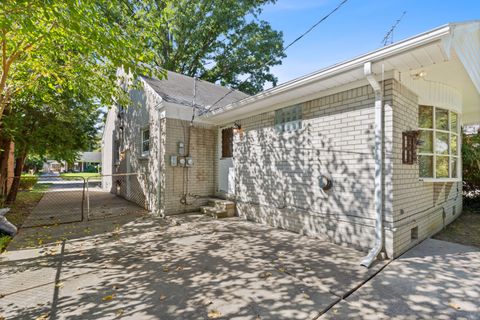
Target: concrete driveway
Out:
[435,280]
[195,268]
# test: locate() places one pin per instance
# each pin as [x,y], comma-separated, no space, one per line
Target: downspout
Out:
[158,210]
[378,190]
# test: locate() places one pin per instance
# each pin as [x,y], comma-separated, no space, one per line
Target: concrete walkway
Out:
[195,268]
[65,201]
[435,280]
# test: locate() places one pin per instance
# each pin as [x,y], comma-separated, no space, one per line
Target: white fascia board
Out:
[289,99]
[380,54]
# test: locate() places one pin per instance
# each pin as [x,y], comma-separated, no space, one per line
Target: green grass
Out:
[21,208]
[464,230]
[30,175]
[73,175]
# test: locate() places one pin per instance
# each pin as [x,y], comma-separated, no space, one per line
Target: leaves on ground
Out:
[214,314]
[59,284]
[454,306]
[43,316]
[109,297]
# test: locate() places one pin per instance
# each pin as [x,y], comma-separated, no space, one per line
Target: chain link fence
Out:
[114,194]
[47,200]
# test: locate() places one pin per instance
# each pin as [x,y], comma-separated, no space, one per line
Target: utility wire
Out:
[283,51]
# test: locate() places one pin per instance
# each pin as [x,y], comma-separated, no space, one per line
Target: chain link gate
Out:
[48,199]
[114,195]
[54,199]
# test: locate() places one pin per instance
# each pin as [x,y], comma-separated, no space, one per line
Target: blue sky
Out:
[358,27]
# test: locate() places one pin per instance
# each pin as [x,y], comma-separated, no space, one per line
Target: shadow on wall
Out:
[278,174]
[141,188]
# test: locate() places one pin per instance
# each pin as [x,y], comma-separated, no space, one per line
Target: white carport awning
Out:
[447,57]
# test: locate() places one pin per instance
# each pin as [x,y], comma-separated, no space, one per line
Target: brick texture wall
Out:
[198,181]
[277,174]
[426,205]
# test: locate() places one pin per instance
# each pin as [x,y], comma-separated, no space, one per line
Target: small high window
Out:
[145,142]
[288,119]
[227,143]
[439,150]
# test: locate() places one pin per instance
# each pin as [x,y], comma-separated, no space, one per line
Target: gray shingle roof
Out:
[178,88]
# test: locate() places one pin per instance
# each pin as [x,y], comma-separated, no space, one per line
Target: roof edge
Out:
[379,54]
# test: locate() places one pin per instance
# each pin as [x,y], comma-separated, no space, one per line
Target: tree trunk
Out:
[19,162]
[4,152]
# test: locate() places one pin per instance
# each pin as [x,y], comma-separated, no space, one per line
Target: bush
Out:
[27,183]
[90,168]
[471,167]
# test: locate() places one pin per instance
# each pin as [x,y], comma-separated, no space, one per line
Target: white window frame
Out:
[450,155]
[289,119]
[144,153]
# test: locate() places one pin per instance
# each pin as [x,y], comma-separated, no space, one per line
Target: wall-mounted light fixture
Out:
[419,75]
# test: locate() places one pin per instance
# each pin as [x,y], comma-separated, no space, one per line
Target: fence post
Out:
[88,198]
[83,199]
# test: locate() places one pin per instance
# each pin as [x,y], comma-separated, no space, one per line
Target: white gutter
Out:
[380,54]
[378,190]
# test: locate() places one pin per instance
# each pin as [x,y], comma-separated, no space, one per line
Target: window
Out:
[145,141]
[116,152]
[227,143]
[288,119]
[439,135]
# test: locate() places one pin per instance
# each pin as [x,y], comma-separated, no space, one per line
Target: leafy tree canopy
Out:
[221,41]
[39,38]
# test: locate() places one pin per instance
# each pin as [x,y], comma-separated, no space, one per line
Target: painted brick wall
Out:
[197,181]
[416,203]
[277,174]
[143,188]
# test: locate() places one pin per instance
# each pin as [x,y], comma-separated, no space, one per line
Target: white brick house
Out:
[335,153]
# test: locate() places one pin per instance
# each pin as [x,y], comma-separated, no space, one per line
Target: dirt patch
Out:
[464,230]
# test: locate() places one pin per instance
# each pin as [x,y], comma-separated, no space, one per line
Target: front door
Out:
[226,171]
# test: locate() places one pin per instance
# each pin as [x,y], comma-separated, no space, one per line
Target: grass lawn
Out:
[73,175]
[19,211]
[464,230]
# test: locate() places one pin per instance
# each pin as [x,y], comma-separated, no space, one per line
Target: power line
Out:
[389,36]
[283,51]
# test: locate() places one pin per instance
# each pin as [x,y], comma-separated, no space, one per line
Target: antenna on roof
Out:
[388,39]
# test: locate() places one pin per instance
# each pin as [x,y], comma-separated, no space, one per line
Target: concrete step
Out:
[215,212]
[221,204]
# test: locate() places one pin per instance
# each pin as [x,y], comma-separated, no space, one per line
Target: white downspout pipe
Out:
[378,197]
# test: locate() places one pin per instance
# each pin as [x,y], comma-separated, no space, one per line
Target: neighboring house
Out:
[87,159]
[365,153]
[54,166]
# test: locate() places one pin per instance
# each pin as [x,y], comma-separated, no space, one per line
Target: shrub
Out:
[27,183]
[471,167]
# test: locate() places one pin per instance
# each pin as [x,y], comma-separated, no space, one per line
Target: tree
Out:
[471,165]
[221,41]
[34,32]
[58,129]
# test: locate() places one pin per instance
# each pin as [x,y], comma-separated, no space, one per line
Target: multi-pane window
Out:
[145,141]
[288,119]
[439,136]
